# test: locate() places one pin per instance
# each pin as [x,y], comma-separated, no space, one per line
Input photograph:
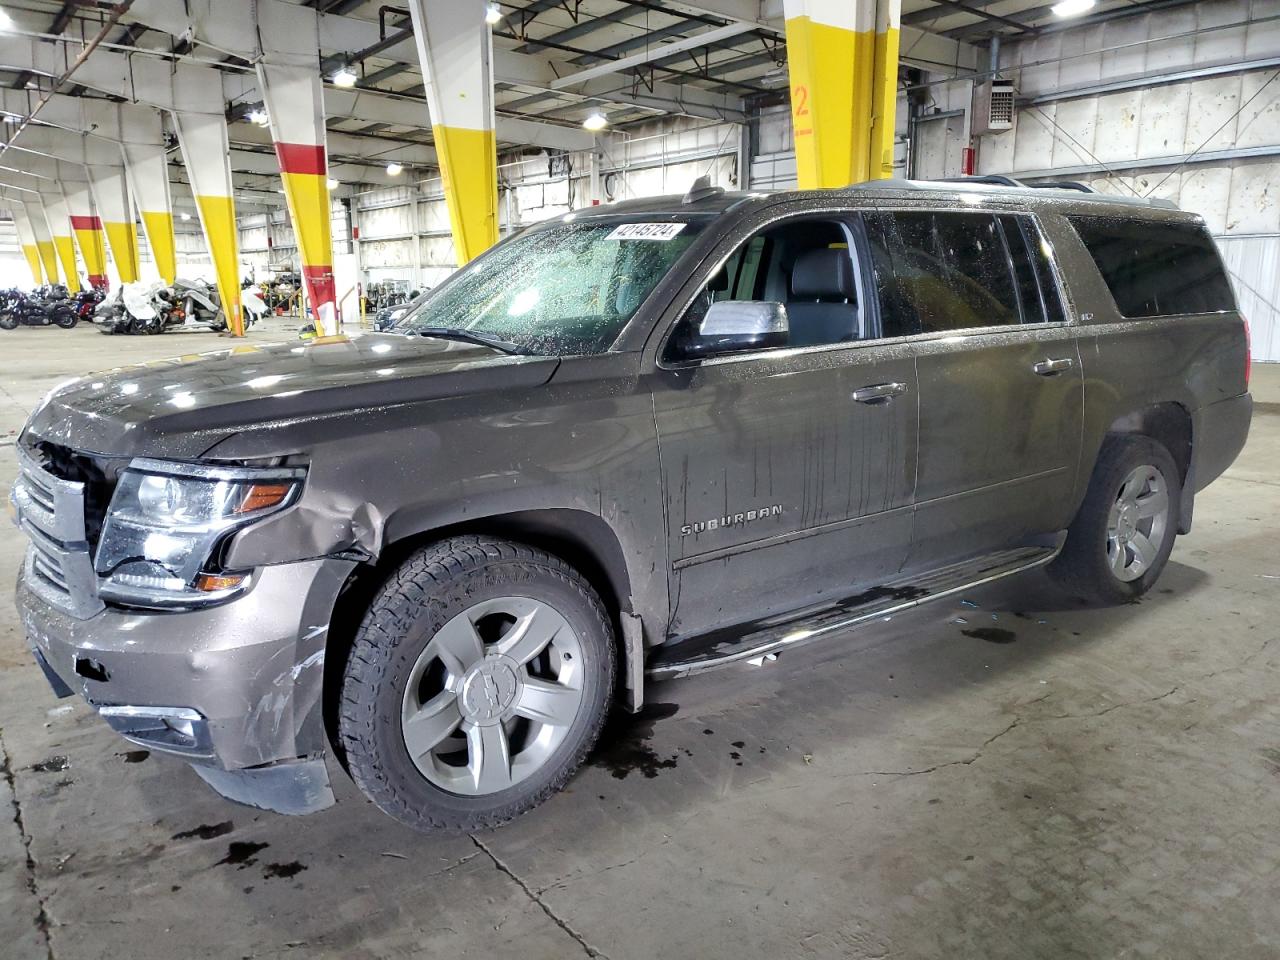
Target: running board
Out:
[725,647]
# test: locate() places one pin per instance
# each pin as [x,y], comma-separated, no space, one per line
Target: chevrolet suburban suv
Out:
[635,442]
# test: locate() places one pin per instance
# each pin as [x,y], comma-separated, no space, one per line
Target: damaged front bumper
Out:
[236,690]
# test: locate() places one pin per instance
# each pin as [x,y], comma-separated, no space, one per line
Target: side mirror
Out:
[734,325]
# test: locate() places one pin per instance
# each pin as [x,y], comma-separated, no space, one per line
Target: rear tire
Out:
[1121,538]
[496,662]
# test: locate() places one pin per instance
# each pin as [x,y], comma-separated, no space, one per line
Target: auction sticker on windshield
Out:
[646,231]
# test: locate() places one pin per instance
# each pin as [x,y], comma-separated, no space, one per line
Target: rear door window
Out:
[1156,269]
[941,271]
[1033,268]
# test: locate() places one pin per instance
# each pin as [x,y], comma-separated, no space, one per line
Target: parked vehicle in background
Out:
[639,442]
[140,308]
[131,309]
[49,309]
[388,317]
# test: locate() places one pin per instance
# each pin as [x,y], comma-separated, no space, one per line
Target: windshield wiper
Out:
[469,336]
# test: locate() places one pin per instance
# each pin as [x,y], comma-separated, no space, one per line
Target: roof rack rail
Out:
[1062,185]
[993,179]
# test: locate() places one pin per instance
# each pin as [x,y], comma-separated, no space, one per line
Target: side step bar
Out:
[726,647]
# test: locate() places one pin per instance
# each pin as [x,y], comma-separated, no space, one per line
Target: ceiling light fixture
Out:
[331,183]
[493,15]
[345,77]
[6,21]
[394,169]
[596,121]
[1073,8]
[259,116]
[185,216]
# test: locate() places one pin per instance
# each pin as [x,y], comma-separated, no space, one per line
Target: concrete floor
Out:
[1100,783]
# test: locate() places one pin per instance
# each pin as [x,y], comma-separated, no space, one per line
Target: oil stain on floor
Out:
[623,748]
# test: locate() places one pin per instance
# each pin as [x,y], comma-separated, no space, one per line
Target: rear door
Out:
[783,489]
[1001,391]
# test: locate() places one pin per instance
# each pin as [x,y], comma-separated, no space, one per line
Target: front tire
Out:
[1122,536]
[478,681]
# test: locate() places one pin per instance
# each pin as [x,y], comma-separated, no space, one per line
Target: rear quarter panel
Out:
[1194,360]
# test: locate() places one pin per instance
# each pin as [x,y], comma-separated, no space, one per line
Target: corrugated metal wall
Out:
[1182,104]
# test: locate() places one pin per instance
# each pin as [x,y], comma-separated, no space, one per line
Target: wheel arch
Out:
[1170,424]
[583,540]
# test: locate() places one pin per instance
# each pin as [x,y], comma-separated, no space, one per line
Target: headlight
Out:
[166,520]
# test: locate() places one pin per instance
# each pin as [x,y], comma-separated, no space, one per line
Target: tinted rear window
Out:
[1157,269]
[941,271]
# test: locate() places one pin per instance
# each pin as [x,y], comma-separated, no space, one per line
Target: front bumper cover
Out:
[235,690]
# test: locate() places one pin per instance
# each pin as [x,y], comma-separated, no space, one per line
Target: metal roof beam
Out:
[652,56]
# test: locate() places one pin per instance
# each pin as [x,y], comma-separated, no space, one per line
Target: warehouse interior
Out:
[1007,772]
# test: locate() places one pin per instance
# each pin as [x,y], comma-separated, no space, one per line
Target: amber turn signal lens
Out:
[261,495]
[214,582]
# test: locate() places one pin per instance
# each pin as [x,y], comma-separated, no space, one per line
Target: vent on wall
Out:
[993,106]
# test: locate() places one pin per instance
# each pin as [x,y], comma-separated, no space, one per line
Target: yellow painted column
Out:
[469,168]
[27,240]
[206,155]
[885,84]
[88,231]
[455,49]
[294,99]
[44,241]
[111,194]
[830,59]
[67,256]
[55,211]
[147,167]
[158,225]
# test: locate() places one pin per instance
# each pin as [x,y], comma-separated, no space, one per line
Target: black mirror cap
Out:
[698,347]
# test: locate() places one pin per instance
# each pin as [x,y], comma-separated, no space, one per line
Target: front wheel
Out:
[66,320]
[478,681]
[8,321]
[1123,534]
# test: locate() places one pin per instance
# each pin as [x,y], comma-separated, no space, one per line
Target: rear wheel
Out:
[478,682]
[66,319]
[1122,536]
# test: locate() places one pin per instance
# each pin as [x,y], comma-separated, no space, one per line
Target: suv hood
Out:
[184,406]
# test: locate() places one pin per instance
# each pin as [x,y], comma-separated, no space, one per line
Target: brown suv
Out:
[636,441]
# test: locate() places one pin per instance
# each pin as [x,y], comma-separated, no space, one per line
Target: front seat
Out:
[823,307]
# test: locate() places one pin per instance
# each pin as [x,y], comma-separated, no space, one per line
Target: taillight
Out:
[1248,353]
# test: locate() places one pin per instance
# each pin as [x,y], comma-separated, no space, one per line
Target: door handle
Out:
[1047,368]
[879,392]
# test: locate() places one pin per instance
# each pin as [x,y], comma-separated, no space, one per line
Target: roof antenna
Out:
[702,189]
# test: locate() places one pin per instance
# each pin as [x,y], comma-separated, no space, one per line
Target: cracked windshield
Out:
[564,290]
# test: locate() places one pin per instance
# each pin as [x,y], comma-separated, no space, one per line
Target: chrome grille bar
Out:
[59,566]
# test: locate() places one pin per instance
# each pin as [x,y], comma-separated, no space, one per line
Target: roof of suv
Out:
[711,200]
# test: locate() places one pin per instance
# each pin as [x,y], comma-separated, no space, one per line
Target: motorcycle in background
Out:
[86,301]
[34,311]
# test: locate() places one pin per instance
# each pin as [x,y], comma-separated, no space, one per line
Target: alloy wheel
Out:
[492,695]
[1138,523]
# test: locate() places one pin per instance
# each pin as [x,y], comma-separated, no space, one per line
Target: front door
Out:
[788,472]
[1001,390]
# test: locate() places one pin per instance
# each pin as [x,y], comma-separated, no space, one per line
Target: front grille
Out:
[59,562]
